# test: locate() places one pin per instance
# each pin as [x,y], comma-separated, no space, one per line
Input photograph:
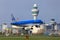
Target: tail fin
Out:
[13,18]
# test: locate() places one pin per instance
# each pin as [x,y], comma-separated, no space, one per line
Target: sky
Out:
[21,9]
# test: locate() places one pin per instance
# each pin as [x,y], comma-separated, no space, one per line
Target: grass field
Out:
[34,37]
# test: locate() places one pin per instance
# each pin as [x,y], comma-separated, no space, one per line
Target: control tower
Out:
[35,11]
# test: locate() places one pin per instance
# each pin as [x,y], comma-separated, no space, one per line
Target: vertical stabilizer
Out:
[13,18]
